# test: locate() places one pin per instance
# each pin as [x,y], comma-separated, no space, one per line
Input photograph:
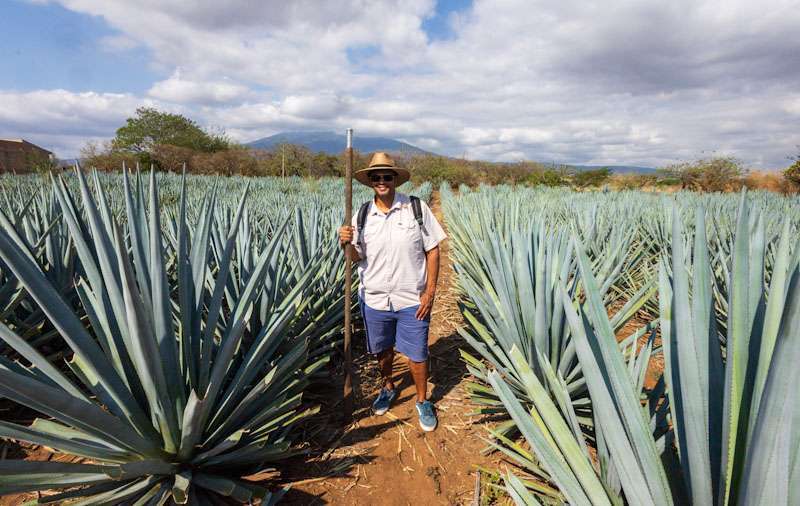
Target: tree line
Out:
[171,141]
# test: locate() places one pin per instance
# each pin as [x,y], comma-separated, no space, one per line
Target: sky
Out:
[623,82]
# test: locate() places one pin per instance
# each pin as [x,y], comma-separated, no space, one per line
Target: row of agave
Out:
[31,210]
[273,198]
[186,331]
[718,424]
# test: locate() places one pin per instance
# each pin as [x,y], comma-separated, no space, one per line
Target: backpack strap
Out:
[417,208]
[362,219]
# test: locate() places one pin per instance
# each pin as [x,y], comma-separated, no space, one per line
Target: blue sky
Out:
[48,46]
[618,82]
[439,26]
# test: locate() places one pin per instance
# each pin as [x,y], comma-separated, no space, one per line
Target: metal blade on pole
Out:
[348,400]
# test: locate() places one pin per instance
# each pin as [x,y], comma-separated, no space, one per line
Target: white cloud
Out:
[62,121]
[181,90]
[587,82]
[317,107]
[792,105]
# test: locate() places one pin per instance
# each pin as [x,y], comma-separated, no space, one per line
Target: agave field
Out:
[630,348]
[163,329]
[642,348]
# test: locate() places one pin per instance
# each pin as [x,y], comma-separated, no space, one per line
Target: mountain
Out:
[617,169]
[333,143]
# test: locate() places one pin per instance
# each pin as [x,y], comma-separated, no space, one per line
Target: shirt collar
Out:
[397,203]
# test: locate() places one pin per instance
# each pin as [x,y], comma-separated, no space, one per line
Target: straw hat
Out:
[381,160]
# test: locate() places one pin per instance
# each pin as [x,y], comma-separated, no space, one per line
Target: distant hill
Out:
[333,143]
[617,169]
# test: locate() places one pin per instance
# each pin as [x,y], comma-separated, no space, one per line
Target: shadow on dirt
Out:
[446,367]
[325,431]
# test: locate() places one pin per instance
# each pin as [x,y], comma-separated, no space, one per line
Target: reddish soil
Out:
[12,450]
[387,459]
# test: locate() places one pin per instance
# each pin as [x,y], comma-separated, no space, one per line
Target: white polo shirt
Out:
[392,271]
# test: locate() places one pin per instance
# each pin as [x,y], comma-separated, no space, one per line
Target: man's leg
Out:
[386,363]
[381,327]
[412,341]
[419,372]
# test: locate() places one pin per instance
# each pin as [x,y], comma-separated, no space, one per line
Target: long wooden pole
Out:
[348,282]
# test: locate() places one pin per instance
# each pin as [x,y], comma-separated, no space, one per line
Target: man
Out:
[398,265]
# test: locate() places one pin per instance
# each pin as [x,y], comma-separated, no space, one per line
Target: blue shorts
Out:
[398,329]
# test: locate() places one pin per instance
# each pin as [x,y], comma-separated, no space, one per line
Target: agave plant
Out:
[733,435]
[551,426]
[733,410]
[511,273]
[171,392]
[33,220]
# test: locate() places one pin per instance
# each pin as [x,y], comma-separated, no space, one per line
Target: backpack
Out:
[364,210]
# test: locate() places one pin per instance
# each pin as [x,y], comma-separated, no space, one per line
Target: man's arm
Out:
[346,239]
[427,297]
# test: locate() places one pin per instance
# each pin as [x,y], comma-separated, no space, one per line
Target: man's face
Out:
[382,181]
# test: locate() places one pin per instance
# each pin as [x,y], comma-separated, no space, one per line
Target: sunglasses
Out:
[386,178]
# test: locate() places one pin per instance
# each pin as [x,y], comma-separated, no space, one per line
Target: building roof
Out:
[23,141]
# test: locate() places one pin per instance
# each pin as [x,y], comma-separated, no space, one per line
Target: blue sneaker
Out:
[427,417]
[384,400]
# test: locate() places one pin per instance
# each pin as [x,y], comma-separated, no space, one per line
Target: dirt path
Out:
[388,460]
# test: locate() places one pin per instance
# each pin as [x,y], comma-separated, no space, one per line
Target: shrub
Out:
[505,173]
[792,174]
[102,157]
[716,174]
[294,160]
[237,160]
[456,172]
[171,158]
[546,176]
[588,178]
[632,181]
[437,169]
[325,165]
[229,162]
[769,180]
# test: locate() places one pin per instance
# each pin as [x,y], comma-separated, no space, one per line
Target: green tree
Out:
[546,176]
[325,165]
[593,177]
[40,163]
[793,173]
[437,169]
[290,160]
[716,174]
[150,127]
